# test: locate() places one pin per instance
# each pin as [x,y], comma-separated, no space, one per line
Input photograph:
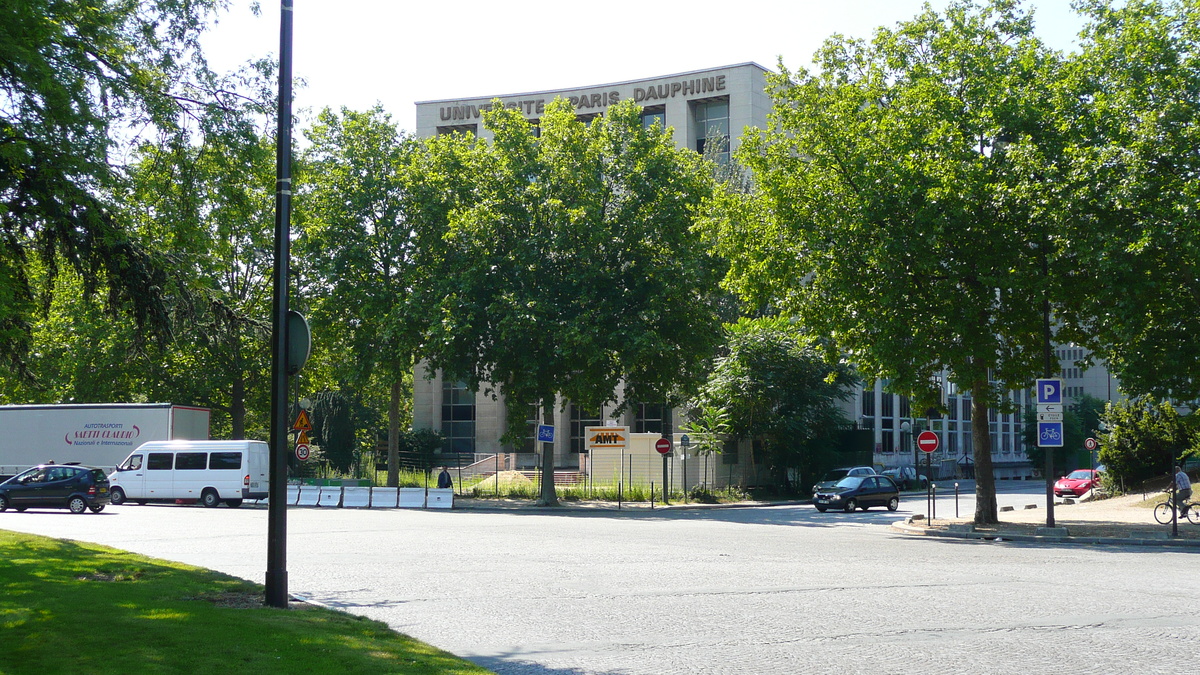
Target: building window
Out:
[458,417]
[469,129]
[868,402]
[580,420]
[712,125]
[729,453]
[888,447]
[653,418]
[905,408]
[532,417]
[886,408]
[952,408]
[654,114]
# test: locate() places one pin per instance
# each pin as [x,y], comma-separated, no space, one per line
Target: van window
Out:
[225,460]
[159,460]
[190,460]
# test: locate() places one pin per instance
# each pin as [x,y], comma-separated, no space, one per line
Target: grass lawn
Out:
[73,607]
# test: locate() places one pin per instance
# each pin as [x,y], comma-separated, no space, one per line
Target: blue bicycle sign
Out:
[1050,434]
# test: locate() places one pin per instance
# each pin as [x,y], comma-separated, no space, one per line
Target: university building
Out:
[696,106]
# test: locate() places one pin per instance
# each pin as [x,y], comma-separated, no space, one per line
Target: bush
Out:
[1145,439]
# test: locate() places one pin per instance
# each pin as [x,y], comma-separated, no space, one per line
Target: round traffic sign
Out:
[927,441]
[1091,444]
[662,445]
[302,452]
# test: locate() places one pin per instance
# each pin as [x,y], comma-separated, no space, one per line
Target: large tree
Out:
[358,248]
[1129,199]
[891,210]
[573,268]
[78,78]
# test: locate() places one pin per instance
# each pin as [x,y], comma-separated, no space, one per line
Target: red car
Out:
[1077,483]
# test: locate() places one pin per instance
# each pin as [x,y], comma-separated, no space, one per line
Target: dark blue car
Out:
[56,486]
[858,492]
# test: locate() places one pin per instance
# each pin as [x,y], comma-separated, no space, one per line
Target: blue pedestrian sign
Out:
[545,433]
[1050,434]
[1049,391]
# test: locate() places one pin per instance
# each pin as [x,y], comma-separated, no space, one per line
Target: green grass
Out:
[73,607]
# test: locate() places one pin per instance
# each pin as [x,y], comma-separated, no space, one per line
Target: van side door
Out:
[159,475]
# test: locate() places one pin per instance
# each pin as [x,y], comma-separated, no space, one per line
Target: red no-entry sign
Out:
[927,441]
[662,445]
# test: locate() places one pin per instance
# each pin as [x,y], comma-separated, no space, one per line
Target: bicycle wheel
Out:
[1193,514]
[1162,513]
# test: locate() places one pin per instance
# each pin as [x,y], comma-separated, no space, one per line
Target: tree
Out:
[1146,437]
[1128,199]
[573,267]
[778,390]
[893,210]
[357,217]
[77,78]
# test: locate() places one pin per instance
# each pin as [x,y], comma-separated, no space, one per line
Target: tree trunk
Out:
[549,496]
[981,441]
[393,477]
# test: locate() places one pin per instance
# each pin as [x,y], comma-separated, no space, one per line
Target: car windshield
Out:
[849,482]
[1081,474]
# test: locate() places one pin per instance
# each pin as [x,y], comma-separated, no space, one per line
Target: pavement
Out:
[1091,520]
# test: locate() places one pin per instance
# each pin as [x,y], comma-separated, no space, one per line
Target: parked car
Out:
[1077,483]
[834,475]
[858,492]
[907,478]
[56,486]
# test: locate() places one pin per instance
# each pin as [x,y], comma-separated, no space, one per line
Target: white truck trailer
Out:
[99,434]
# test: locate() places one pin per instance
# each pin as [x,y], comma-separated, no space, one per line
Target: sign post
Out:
[928,442]
[1049,432]
[663,446]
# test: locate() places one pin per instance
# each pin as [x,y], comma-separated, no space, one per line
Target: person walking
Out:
[1183,489]
[444,480]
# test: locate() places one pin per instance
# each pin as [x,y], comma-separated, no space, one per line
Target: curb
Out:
[1000,536]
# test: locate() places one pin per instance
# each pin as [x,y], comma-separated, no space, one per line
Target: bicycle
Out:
[1162,512]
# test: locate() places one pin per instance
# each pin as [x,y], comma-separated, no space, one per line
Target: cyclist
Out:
[1183,489]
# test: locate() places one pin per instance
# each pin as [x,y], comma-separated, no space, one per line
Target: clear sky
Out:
[354,53]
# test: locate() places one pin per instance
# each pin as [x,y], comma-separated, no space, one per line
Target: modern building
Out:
[695,106]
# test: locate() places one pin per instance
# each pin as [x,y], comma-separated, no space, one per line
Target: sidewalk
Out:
[1127,520]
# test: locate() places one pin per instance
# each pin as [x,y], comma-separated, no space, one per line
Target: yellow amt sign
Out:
[606,437]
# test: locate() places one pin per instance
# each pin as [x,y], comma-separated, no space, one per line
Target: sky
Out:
[356,53]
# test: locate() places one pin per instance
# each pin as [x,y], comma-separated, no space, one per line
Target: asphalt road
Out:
[764,590]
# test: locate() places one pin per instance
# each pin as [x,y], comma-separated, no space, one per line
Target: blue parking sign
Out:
[1049,391]
[545,433]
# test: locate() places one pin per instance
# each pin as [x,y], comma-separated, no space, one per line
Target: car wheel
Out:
[97,508]
[77,504]
[821,509]
[893,503]
[851,505]
[210,498]
[3,503]
[233,503]
[117,496]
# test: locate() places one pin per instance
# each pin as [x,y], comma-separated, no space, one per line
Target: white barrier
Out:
[412,498]
[293,494]
[331,495]
[440,498]
[384,497]
[356,497]
[309,494]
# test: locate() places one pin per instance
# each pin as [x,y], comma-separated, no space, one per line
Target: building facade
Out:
[696,106]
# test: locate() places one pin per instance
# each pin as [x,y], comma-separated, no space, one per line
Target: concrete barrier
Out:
[309,494]
[412,498]
[331,495]
[356,497]
[293,494]
[440,498]
[384,497]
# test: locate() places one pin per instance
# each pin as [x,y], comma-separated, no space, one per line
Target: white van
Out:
[209,471]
